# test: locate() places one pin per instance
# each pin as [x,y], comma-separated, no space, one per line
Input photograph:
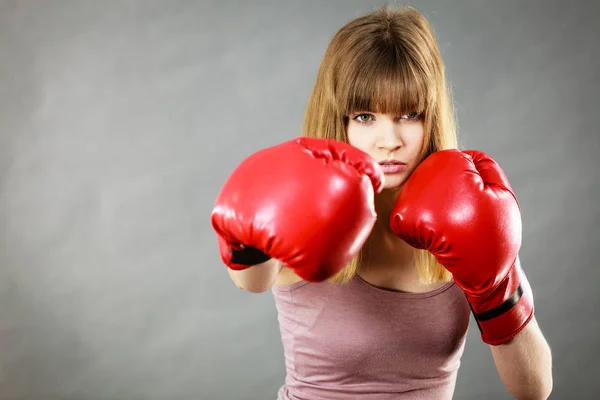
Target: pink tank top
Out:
[346,341]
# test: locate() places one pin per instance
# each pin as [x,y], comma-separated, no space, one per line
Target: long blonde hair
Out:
[389,61]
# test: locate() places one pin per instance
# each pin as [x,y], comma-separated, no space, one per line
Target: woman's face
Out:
[393,141]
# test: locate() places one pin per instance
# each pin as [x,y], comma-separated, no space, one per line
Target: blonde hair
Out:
[388,61]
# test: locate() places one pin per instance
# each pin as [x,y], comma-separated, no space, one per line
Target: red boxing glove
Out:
[461,207]
[307,202]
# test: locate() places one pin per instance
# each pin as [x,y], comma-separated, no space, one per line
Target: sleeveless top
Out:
[354,340]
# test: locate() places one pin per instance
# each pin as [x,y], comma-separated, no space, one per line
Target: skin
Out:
[389,137]
[524,364]
[386,137]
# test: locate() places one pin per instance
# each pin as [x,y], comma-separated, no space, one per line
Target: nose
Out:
[389,137]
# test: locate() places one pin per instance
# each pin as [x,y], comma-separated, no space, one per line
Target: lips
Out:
[391,162]
[392,166]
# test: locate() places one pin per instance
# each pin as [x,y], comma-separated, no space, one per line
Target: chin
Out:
[393,182]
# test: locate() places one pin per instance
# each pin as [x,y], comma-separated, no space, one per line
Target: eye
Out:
[363,118]
[411,116]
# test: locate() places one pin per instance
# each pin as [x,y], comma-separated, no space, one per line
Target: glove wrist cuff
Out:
[248,256]
[240,258]
[506,311]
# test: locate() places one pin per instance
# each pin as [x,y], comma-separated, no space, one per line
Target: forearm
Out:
[258,278]
[525,364]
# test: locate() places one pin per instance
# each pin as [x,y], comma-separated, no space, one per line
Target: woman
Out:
[390,324]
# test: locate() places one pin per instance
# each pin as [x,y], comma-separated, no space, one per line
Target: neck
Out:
[382,236]
[383,246]
[384,203]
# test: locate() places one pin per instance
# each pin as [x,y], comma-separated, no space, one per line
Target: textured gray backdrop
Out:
[120,120]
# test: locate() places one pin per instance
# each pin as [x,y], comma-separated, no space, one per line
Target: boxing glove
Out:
[461,207]
[307,202]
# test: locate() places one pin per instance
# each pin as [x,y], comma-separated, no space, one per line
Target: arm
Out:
[476,233]
[304,203]
[525,364]
[258,278]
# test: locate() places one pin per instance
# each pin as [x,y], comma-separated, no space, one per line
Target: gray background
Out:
[120,120]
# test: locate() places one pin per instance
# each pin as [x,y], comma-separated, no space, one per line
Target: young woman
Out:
[377,237]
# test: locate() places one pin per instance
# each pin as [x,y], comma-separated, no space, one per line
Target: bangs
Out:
[389,82]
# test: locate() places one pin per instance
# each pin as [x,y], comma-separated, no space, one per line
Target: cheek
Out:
[358,139]
[414,141]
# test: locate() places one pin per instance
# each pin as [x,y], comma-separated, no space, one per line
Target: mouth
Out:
[392,166]
[391,162]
